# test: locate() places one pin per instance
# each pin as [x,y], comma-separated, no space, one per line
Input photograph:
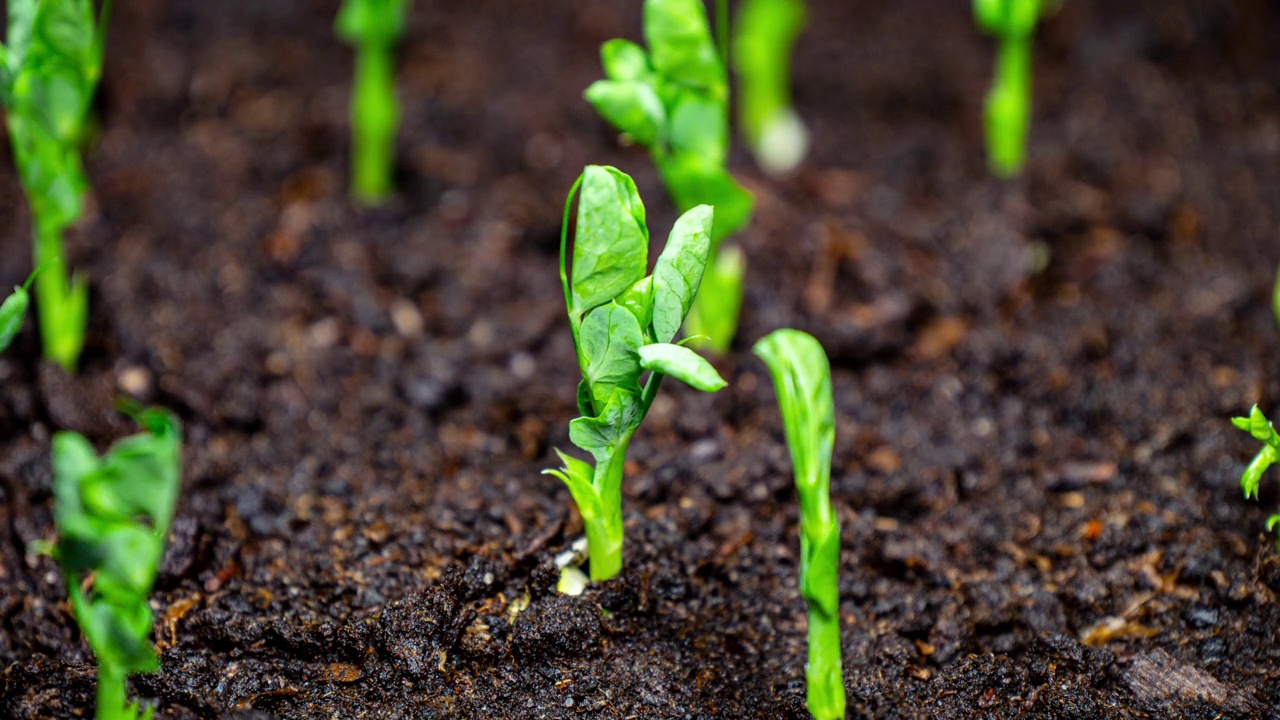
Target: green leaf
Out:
[678,272]
[610,249]
[610,339]
[639,301]
[12,312]
[630,106]
[680,44]
[372,21]
[602,436]
[576,474]
[699,127]
[22,17]
[624,60]
[802,378]
[693,182]
[682,364]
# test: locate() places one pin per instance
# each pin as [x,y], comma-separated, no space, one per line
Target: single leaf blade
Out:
[610,249]
[678,273]
[682,364]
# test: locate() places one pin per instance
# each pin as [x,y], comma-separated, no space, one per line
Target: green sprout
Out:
[623,322]
[374,27]
[113,515]
[50,65]
[1008,107]
[13,311]
[674,100]
[802,378]
[767,31]
[1264,432]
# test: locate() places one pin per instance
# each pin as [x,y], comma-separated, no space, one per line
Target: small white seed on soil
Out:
[134,380]
[406,318]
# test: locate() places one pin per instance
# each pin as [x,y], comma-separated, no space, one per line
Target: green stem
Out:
[61,307]
[604,532]
[1009,106]
[111,694]
[826,699]
[375,115]
[819,583]
[722,32]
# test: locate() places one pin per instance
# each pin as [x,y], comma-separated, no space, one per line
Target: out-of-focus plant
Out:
[1264,432]
[373,27]
[766,33]
[50,65]
[673,99]
[13,311]
[113,514]
[1008,106]
[802,378]
[623,323]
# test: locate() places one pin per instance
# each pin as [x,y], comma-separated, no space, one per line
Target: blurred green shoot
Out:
[802,379]
[623,323]
[13,311]
[50,65]
[1008,106]
[767,32]
[374,27]
[673,99]
[1264,432]
[113,515]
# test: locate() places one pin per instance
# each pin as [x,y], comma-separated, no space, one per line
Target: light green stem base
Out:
[61,302]
[1008,107]
[375,117]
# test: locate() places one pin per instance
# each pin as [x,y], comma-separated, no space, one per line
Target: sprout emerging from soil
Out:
[674,100]
[13,311]
[767,30]
[374,27]
[623,322]
[50,65]
[1008,106]
[113,515]
[1264,432]
[802,378]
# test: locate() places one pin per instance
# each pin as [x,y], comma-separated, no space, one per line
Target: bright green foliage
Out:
[49,70]
[674,100]
[623,323]
[113,514]
[802,378]
[374,27]
[1008,108]
[767,30]
[1264,432]
[13,311]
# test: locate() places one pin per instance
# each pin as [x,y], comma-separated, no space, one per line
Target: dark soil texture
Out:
[1035,472]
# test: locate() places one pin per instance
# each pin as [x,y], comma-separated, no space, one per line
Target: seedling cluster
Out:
[1264,432]
[673,99]
[623,322]
[49,70]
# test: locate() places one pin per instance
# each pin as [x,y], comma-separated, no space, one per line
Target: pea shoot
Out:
[13,311]
[374,27]
[802,379]
[1008,106]
[767,31]
[1264,432]
[50,65]
[113,514]
[673,99]
[623,322]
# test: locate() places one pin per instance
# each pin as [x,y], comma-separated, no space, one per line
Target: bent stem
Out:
[374,118]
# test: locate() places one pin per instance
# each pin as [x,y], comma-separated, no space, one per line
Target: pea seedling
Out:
[674,100]
[802,379]
[1264,432]
[1008,106]
[374,27]
[767,31]
[113,515]
[50,65]
[622,323]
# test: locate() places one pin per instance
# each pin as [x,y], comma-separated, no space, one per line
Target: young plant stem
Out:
[722,31]
[374,118]
[111,694]
[605,532]
[59,306]
[1009,106]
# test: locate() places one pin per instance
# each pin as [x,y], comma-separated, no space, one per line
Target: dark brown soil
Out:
[1034,471]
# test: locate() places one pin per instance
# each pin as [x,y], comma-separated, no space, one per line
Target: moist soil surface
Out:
[1034,471]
